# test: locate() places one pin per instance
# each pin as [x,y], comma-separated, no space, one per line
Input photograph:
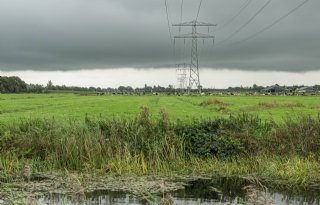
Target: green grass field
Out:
[70,106]
[141,141]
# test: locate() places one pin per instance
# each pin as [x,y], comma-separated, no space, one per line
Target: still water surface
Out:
[222,191]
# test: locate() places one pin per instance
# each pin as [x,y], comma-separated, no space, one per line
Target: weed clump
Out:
[271,105]
[212,101]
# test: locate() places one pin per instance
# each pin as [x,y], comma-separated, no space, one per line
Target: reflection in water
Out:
[221,191]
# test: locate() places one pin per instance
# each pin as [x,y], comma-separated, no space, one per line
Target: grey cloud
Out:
[82,34]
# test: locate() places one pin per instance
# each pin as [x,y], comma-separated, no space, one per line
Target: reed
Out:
[238,145]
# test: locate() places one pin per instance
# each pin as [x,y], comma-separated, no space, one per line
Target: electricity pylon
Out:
[194,77]
[182,75]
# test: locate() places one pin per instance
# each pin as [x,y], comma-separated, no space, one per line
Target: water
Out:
[222,191]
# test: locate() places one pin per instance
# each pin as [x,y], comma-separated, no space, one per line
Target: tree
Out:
[49,85]
[12,85]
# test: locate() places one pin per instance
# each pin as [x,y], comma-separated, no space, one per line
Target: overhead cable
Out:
[247,23]
[168,20]
[240,10]
[274,23]
[199,10]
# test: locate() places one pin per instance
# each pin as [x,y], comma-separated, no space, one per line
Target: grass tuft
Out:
[212,101]
[271,105]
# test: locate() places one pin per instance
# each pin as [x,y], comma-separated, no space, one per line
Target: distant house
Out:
[276,89]
[306,90]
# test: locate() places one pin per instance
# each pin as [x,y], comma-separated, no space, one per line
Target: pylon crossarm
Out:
[194,23]
[204,24]
[194,35]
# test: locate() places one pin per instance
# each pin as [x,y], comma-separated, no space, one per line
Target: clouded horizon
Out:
[210,78]
[48,35]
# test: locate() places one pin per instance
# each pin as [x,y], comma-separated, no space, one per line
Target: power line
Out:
[199,10]
[247,23]
[181,13]
[274,23]
[167,12]
[241,9]
[181,10]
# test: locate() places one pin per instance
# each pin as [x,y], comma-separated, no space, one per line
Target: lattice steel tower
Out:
[194,77]
[182,70]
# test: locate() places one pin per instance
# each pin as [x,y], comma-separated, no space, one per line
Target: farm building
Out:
[306,90]
[276,89]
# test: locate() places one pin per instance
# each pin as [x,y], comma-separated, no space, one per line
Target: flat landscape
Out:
[79,144]
[72,106]
[159,102]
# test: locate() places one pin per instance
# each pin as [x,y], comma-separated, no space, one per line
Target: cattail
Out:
[1,168]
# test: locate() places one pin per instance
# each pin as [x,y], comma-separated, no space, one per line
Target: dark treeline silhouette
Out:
[12,85]
[16,85]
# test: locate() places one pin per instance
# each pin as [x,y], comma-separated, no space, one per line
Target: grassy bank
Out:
[240,145]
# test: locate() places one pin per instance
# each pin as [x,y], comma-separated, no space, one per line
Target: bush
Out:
[205,140]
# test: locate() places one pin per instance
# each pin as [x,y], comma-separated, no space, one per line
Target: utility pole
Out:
[194,77]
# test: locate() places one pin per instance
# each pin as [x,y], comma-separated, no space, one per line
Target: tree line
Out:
[12,85]
[15,85]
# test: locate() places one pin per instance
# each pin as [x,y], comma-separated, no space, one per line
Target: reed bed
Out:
[239,145]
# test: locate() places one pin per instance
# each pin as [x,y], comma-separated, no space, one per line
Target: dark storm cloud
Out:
[82,34]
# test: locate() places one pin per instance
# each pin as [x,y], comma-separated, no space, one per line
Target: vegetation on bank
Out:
[238,145]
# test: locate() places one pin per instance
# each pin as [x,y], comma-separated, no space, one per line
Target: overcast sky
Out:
[49,35]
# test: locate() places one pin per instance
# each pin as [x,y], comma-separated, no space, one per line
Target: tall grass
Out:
[97,143]
[148,145]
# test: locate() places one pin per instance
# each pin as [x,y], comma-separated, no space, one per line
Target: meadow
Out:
[70,106]
[275,139]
